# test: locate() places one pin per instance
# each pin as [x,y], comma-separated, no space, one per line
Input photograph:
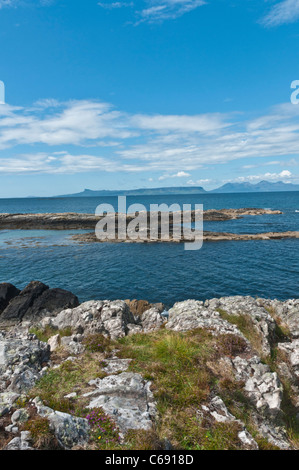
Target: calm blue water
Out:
[158,272]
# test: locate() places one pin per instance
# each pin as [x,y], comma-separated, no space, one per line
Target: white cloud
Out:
[285,176]
[160,10]
[153,11]
[88,135]
[286,11]
[179,174]
[115,5]
[16,3]
[7,3]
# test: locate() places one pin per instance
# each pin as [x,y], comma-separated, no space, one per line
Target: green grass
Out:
[71,376]
[245,324]
[184,369]
[44,334]
[181,380]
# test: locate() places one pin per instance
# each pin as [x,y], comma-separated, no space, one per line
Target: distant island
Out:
[261,187]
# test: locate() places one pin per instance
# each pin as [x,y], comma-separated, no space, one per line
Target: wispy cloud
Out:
[7,3]
[81,136]
[160,10]
[283,12]
[286,176]
[154,11]
[115,5]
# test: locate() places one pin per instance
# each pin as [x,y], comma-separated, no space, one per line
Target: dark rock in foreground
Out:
[7,293]
[37,301]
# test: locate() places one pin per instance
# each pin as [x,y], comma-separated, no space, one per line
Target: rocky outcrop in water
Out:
[207,237]
[71,221]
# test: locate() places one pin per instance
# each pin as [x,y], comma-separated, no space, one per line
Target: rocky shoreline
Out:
[219,374]
[83,238]
[77,221]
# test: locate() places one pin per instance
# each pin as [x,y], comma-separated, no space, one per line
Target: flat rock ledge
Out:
[74,221]
[207,237]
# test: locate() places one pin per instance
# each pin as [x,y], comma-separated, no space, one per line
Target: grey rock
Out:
[70,431]
[287,312]
[217,409]
[20,416]
[126,398]
[151,320]
[7,399]
[21,361]
[54,342]
[110,318]
[20,443]
[262,386]
[247,306]
[192,314]
[116,365]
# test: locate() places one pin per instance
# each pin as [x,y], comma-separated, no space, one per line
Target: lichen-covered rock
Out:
[115,364]
[54,342]
[217,409]
[110,318]
[22,359]
[20,443]
[20,416]
[262,321]
[151,320]
[262,386]
[70,431]
[7,399]
[192,314]
[126,398]
[287,312]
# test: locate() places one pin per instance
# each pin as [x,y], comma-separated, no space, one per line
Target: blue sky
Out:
[147,93]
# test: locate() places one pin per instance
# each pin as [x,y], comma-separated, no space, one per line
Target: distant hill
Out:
[139,192]
[261,187]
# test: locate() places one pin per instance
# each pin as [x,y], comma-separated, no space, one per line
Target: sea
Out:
[158,272]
